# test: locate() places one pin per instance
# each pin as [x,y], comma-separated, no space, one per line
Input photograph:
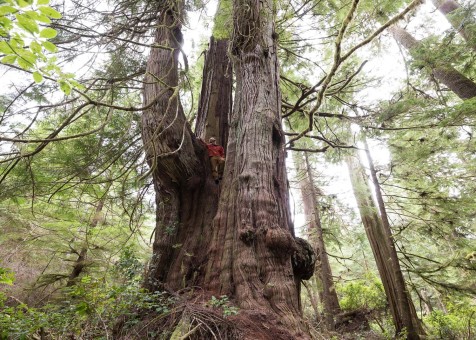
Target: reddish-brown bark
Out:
[250,238]
[215,102]
[253,240]
[186,196]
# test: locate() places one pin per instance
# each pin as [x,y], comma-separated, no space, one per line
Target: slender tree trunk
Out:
[427,305]
[455,16]
[81,262]
[313,299]
[312,214]
[400,305]
[215,103]
[462,86]
[78,267]
[403,297]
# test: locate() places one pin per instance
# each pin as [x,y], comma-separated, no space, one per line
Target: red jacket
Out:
[215,150]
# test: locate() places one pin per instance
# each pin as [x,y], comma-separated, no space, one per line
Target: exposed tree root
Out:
[197,319]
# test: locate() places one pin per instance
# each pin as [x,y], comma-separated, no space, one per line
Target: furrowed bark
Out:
[253,240]
[185,194]
[462,86]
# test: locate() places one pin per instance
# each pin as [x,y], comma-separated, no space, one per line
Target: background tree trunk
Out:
[462,86]
[400,304]
[81,262]
[455,16]
[404,300]
[312,215]
[313,298]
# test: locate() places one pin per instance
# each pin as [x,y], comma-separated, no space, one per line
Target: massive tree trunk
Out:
[250,239]
[312,215]
[456,17]
[462,86]
[186,196]
[382,244]
[253,241]
[215,103]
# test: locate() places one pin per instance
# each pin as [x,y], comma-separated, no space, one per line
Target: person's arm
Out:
[222,152]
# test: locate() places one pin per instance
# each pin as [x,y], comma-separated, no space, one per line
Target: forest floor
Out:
[199,322]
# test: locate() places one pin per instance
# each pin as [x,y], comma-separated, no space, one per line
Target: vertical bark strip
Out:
[462,86]
[380,240]
[215,103]
[250,255]
[312,214]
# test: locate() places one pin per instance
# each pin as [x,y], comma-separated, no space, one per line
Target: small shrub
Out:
[362,294]
[458,324]
[6,276]
[223,303]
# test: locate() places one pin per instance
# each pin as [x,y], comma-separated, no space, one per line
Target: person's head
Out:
[212,140]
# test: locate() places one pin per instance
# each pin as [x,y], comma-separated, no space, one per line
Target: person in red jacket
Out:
[217,158]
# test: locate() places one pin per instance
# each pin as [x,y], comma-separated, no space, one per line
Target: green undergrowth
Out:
[367,293]
[103,308]
[455,319]
[113,306]
[457,323]
[90,309]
